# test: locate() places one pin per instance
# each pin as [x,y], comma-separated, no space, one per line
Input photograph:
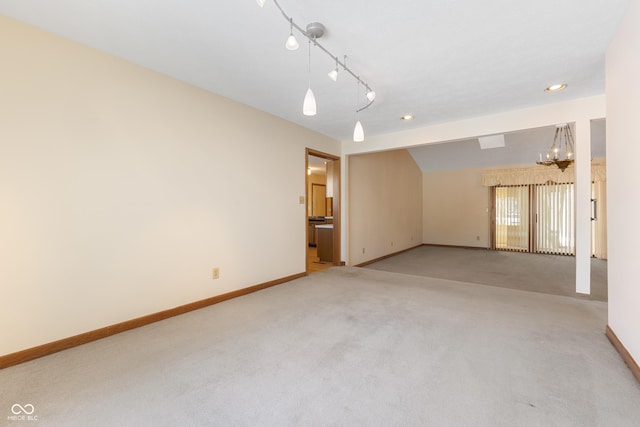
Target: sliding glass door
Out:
[535,218]
[555,219]
[511,206]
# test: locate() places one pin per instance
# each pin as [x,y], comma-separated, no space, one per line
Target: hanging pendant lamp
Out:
[292,43]
[309,104]
[313,32]
[358,132]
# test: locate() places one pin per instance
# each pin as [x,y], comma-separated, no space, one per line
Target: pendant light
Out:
[309,104]
[358,130]
[292,43]
[333,74]
[371,95]
[313,32]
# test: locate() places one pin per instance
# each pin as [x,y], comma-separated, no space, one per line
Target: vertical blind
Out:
[512,218]
[534,209]
[551,208]
[555,225]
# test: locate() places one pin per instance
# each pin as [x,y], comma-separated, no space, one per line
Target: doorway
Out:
[322,213]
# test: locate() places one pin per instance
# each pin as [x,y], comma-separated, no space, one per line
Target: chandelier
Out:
[561,152]
[313,32]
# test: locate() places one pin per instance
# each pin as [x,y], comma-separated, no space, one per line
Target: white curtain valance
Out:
[538,174]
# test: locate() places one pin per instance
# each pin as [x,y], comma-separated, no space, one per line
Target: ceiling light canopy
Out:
[407,117]
[313,32]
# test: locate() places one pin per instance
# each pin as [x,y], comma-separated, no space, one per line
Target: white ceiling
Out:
[439,60]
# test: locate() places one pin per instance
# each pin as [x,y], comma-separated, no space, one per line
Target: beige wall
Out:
[623,180]
[455,208]
[122,188]
[385,204]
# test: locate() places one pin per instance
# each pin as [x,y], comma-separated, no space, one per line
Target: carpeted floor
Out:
[550,274]
[345,347]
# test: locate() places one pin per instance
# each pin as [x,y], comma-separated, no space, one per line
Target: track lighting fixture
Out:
[371,95]
[333,74]
[358,132]
[292,43]
[309,104]
[313,32]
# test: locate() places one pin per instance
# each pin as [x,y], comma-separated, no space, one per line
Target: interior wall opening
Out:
[322,211]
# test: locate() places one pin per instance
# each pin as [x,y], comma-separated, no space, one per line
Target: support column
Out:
[583,205]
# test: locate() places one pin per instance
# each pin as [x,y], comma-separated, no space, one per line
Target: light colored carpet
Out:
[345,347]
[550,274]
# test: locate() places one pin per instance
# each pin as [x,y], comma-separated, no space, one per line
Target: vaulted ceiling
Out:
[438,60]
[523,147]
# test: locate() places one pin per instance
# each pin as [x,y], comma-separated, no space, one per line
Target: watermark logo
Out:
[22,412]
[18,409]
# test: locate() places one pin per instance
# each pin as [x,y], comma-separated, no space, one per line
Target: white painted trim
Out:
[583,206]
[509,121]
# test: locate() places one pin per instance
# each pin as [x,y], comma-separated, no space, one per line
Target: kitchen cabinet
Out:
[325,242]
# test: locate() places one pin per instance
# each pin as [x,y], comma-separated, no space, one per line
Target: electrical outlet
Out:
[301,200]
[215,273]
[392,243]
[477,237]
[362,250]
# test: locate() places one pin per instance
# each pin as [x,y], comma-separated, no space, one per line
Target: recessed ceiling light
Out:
[555,88]
[406,117]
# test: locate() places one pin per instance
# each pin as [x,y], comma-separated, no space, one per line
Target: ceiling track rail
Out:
[313,39]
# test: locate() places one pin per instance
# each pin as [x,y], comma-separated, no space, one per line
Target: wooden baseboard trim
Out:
[364,264]
[628,359]
[66,343]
